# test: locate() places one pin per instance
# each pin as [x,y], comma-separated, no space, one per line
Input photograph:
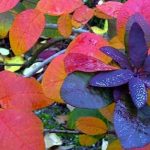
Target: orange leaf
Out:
[25,31]
[108,111]
[83,14]
[75,24]
[6,5]
[146,147]
[65,25]
[21,93]
[89,44]
[115,145]
[109,9]
[58,7]
[86,140]
[116,43]
[91,125]
[148,99]
[20,131]
[53,79]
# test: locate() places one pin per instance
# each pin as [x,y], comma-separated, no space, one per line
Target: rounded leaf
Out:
[91,126]
[25,31]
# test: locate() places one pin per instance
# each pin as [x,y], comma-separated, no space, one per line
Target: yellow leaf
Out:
[86,140]
[91,126]
[14,60]
[75,24]
[100,31]
[107,111]
[115,145]
[65,25]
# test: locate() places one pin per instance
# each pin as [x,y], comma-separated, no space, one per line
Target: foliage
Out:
[108,80]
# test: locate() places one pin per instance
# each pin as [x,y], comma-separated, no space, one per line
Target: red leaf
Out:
[109,9]
[21,93]
[65,25]
[58,7]
[6,5]
[25,31]
[83,14]
[80,62]
[89,44]
[20,131]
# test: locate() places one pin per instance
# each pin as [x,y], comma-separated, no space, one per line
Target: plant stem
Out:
[62,131]
[44,63]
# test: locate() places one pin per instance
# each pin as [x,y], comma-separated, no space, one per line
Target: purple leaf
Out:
[132,126]
[136,45]
[111,79]
[117,56]
[146,81]
[147,64]
[138,92]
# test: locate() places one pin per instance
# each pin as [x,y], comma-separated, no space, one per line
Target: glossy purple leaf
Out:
[117,56]
[46,54]
[138,92]
[137,45]
[112,79]
[132,126]
[76,92]
[147,64]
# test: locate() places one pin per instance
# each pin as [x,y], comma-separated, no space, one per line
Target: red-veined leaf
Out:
[89,44]
[58,7]
[65,25]
[81,62]
[6,5]
[53,79]
[20,130]
[25,31]
[109,10]
[21,93]
[83,14]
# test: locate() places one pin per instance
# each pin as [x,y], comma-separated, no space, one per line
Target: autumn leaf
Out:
[65,25]
[108,10]
[108,111]
[80,62]
[21,93]
[86,140]
[20,130]
[83,14]
[25,31]
[6,5]
[58,7]
[89,44]
[91,126]
[75,24]
[53,79]
[115,145]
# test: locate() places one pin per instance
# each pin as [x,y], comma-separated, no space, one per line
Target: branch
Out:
[44,63]
[62,131]
[55,26]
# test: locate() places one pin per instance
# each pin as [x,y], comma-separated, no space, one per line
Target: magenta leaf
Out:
[132,126]
[137,45]
[80,62]
[111,79]
[138,92]
[147,64]
[117,56]
[76,92]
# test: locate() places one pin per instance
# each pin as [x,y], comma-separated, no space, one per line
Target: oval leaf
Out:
[83,14]
[109,9]
[76,92]
[25,31]
[53,79]
[112,79]
[91,126]
[20,130]
[80,62]
[58,7]
[21,93]
[65,25]
[6,5]
[89,44]
[138,92]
